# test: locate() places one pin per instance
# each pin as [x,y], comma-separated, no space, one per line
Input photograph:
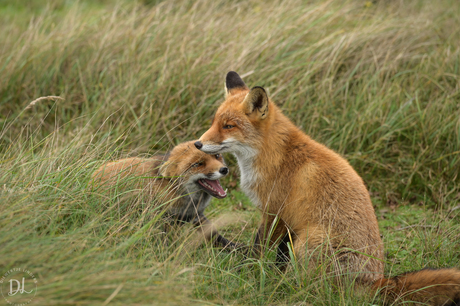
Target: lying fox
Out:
[185,178]
[310,196]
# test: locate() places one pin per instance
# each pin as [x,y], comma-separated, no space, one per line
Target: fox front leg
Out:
[211,234]
[271,231]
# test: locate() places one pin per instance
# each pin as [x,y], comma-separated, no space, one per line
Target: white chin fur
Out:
[213,149]
[226,146]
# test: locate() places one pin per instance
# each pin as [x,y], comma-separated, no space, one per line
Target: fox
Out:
[186,179]
[312,200]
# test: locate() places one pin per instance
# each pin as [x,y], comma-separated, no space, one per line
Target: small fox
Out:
[185,179]
[310,196]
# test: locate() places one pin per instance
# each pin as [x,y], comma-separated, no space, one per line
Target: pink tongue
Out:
[216,185]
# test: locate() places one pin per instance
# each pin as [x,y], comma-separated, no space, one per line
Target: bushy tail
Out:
[427,286]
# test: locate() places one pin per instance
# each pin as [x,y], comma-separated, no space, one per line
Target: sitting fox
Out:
[185,179]
[311,197]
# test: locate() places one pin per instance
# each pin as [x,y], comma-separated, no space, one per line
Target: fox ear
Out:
[256,102]
[233,81]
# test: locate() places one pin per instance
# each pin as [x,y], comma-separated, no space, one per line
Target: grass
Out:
[376,81]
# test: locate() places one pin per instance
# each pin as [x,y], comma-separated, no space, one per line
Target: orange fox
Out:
[310,196]
[185,179]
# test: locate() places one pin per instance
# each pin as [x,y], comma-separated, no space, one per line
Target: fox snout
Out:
[212,147]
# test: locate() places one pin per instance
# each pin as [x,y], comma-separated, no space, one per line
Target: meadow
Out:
[91,81]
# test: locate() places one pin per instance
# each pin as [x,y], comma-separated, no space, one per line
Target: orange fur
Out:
[306,192]
[430,287]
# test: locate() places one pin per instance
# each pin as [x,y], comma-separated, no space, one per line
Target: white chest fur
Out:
[249,175]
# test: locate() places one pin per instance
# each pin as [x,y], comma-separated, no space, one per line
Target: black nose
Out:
[223,170]
[198,145]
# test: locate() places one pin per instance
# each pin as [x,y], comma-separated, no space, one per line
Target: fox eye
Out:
[228,126]
[197,164]
[217,156]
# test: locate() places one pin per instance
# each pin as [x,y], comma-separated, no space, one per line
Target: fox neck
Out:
[258,164]
[249,176]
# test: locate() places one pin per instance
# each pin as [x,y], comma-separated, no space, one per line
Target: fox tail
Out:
[427,286]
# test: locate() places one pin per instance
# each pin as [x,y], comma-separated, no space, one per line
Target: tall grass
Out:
[377,82]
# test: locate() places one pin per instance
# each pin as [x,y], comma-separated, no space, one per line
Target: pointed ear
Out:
[233,81]
[256,102]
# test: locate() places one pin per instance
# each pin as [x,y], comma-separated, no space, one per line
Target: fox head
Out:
[242,121]
[195,170]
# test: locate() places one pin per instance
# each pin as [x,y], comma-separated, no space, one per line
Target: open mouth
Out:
[213,188]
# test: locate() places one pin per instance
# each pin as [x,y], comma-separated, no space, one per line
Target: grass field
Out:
[377,81]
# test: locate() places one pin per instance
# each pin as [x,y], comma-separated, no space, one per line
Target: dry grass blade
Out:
[31,104]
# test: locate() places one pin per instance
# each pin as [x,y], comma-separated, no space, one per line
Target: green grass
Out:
[377,82]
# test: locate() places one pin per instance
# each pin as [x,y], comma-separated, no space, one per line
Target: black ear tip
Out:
[232,74]
[233,77]
[233,80]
